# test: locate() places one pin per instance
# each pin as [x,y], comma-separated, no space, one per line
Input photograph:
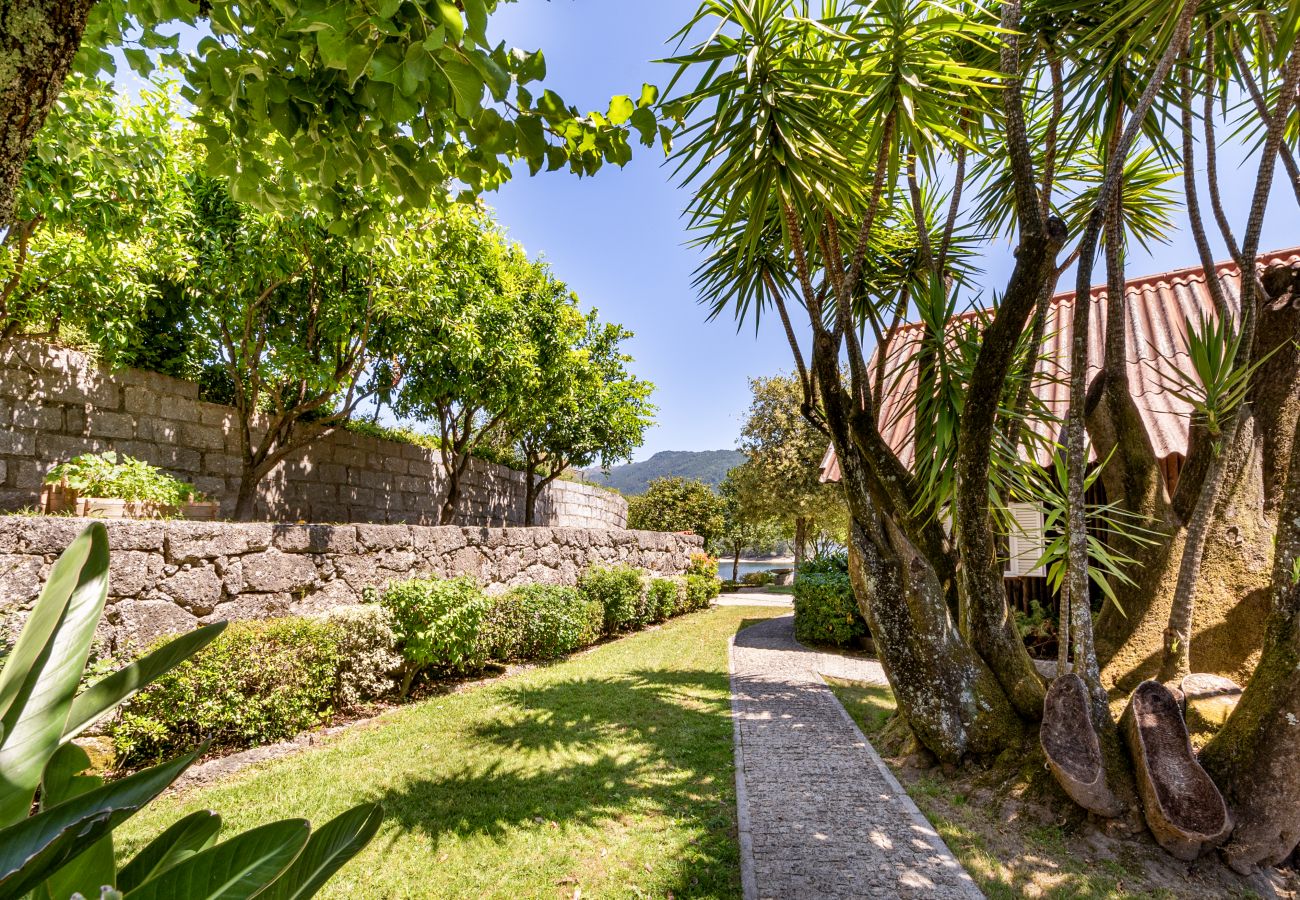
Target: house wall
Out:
[56,403]
[170,576]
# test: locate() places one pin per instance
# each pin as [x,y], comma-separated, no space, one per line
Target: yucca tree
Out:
[845,160]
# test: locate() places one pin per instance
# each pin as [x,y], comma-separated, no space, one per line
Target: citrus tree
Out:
[401,96]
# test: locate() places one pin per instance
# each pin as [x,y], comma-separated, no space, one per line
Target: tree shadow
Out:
[596,752]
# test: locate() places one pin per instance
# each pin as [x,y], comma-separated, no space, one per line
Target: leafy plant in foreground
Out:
[56,822]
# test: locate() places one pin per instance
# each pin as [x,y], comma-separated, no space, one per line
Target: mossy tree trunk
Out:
[951,699]
[1255,758]
[38,41]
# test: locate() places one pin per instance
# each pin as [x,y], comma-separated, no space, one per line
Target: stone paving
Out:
[820,814]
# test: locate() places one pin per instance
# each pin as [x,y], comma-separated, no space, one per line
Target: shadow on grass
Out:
[648,750]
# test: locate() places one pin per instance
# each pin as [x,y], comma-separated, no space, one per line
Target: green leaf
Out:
[451,20]
[95,867]
[183,839]
[38,846]
[620,109]
[139,61]
[232,870]
[328,849]
[649,95]
[108,692]
[477,14]
[466,87]
[34,723]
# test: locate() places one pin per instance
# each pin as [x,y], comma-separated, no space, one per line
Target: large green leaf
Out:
[43,620]
[94,868]
[179,842]
[329,848]
[234,869]
[38,846]
[34,722]
[103,695]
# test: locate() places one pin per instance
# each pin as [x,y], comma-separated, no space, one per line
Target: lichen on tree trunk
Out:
[1255,758]
[38,41]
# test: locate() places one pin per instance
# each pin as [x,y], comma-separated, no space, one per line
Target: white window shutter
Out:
[1026,542]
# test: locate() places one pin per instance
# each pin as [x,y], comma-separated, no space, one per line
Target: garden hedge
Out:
[825,609]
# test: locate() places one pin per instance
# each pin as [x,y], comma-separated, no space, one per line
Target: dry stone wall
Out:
[56,403]
[168,577]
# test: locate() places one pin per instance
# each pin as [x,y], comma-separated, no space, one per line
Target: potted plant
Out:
[106,485]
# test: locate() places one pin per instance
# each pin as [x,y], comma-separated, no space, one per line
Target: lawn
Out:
[609,774]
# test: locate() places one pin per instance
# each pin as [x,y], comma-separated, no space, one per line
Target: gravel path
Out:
[820,815]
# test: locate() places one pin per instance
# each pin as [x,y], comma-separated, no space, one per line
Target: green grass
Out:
[610,773]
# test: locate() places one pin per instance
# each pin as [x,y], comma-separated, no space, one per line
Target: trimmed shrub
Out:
[756,579]
[700,590]
[369,658]
[259,682]
[825,610]
[542,621]
[666,597]
[728,586]
[618,589]
[437,622]
[703,564]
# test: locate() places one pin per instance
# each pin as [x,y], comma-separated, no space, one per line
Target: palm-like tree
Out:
[845,162]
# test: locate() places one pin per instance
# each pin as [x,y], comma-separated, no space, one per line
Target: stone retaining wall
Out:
[168,577]
[56,403]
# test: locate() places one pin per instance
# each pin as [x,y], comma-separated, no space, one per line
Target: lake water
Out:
[724,567]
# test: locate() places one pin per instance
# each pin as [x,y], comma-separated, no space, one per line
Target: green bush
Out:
[756,579]
[437,623]
[618,589]
[666,597]
[700,589]
[257,683]
[542,621]
[703,564]
[828,563]
[369,658]
[121,478]
[825,611]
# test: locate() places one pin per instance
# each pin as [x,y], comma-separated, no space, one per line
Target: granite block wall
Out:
[170,576]
[56,403]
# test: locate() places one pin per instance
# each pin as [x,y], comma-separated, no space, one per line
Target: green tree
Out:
[90,240]
[588,408]
[676,504]
[463,350]
[831,155]
[289,310]
[744,524]
[400,95]
[783,474]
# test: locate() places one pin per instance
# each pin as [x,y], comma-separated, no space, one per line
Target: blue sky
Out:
[618,239]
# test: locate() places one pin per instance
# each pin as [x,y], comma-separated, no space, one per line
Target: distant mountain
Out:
[709,466]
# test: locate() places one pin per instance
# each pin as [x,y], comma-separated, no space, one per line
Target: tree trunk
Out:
[1253,759]
[530,497]
[950,699]
[735,565]
[986,618]
[246,498]
[1232,596]
[447,515]
[800,540]
[38,41]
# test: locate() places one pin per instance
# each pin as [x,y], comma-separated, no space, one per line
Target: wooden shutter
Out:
[1026,542]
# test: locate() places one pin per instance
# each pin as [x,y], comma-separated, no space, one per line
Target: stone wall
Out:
[168,577]
[56,403]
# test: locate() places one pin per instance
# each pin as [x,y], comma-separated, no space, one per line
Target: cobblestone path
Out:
[820,815]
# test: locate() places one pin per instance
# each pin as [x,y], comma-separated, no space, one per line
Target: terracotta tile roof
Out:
[1158,310]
